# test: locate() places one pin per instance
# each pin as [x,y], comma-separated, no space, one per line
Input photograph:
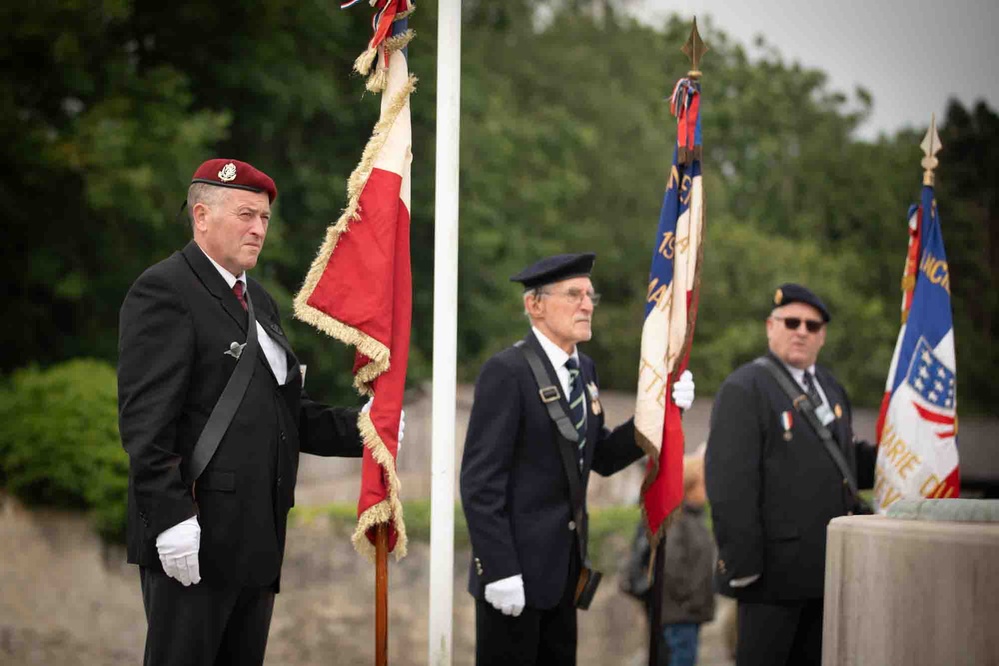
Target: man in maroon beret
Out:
[213,414]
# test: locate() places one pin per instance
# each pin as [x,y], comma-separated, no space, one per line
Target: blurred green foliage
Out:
[59,443]
[416,514]
[611,527]
[565,143]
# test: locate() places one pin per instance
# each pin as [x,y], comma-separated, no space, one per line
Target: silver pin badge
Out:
[228,173]
[235,350]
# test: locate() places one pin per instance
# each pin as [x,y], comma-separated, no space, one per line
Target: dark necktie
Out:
[238,290]
[577,404]
[811,390]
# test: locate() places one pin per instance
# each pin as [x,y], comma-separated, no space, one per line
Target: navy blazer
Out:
[772,495]
[514,488]
[176,323]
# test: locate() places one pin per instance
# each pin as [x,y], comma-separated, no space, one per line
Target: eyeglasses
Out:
[792,323]
[575,296]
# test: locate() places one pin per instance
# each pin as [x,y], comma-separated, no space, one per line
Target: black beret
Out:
[554,269]
[795,293]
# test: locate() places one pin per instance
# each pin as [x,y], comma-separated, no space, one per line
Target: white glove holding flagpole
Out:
[507,595]
[178,549]
[402,418]
[683,390]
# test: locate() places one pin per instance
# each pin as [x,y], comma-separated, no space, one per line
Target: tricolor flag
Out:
[670,313]
[359,287]
[917,427]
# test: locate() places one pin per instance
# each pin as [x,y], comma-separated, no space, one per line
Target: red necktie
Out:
[238,290]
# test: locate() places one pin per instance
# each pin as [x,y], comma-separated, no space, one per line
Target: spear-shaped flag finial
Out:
[931,146]
[695,48]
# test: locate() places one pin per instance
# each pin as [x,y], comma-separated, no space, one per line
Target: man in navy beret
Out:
[518,473]
[781,463]
[211,468]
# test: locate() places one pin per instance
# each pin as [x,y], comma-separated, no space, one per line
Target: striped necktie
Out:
[577,404]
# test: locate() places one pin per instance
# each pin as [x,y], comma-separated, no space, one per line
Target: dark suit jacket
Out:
[176,322]
[772,498]
[514,488]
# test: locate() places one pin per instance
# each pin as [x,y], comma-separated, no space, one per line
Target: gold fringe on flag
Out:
[364,61]
[389,509]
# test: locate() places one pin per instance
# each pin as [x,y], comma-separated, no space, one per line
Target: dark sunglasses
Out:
[792,323]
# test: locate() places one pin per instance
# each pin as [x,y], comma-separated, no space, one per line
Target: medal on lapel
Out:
[235,349]
[838,411]
[595,407]
[787,422]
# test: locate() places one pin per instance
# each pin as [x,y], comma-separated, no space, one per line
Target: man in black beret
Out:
[781,463]
[520,471]
[213,414]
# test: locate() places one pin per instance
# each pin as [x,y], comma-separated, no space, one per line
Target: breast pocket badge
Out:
[235,350]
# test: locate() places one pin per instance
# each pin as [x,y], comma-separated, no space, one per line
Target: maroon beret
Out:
[233,173]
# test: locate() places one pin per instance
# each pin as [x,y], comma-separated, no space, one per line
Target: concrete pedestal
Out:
[911,592]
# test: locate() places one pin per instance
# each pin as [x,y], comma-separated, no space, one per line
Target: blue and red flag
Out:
[670,313]
[359,287]
[917,426]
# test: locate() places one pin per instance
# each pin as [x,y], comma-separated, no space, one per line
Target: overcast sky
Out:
[912,55]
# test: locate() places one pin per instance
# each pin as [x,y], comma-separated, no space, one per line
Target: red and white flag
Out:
[359,287]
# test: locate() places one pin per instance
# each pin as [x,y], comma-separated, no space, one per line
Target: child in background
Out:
[688,592]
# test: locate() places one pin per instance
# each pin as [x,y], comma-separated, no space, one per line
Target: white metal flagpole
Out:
[445,331]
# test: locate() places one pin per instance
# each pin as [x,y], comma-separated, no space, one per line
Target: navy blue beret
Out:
[554,269]
[795,293]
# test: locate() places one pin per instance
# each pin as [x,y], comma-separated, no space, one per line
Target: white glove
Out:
[507,595]
[683,390]
[178,548]
[402,418]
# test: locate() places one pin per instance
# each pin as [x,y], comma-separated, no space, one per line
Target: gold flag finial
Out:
[695,48]
[931,146]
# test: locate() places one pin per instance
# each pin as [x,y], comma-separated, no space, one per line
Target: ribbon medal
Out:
[595,406]
[787,422]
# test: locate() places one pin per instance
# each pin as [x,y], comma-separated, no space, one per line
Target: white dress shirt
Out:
[276,356]
[558,357]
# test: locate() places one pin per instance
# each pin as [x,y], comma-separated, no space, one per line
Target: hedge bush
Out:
[59,442]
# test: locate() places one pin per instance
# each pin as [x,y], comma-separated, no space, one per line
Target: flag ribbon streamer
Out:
[380,45]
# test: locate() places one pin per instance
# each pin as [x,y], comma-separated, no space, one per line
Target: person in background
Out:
[781,463]
[688,588]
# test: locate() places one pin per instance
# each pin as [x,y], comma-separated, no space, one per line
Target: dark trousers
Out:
[534,638]
[776,634]
[204,624]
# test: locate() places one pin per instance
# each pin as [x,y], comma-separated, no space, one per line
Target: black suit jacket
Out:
[176,322]
[514,488]
[771,497]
